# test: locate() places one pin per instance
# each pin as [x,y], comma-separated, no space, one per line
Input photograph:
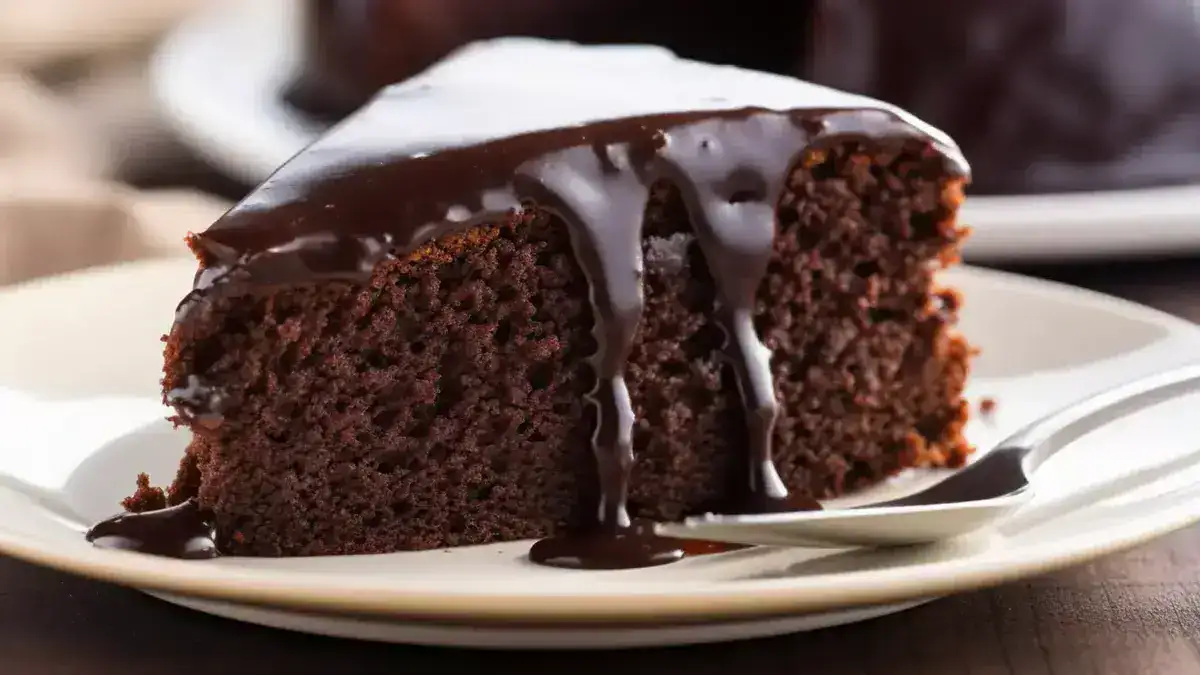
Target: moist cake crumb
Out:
[145,498]
[479,344]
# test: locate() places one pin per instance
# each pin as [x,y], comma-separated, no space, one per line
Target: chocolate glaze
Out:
[182,531]
[363,194]
[635,546]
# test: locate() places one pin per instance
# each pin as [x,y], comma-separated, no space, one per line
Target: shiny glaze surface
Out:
[182,531]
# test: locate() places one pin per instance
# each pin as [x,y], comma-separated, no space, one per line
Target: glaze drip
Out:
[358,197]
[181,531]
[605,220]
[731,175]
[635,546]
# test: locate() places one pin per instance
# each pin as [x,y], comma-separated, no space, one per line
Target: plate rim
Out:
[693,603]
[557,637]
[455,601]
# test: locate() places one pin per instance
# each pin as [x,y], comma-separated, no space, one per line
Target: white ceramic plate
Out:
[64,464]
[220,79]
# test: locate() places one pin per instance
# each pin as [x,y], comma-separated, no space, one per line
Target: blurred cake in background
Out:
[1043,95]
[352,48]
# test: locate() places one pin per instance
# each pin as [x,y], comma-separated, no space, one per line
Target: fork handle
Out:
[1037,512]
[1056,431]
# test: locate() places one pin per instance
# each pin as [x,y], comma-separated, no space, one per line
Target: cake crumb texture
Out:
[443,403]
[146,497]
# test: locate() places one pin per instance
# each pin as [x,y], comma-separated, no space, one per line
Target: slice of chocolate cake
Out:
[546,290]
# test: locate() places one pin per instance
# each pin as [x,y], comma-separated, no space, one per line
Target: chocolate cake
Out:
[1043,95]
[476,312]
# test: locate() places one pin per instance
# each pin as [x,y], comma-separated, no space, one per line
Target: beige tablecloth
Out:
[77,124]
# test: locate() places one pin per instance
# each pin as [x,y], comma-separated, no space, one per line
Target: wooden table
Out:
[1136,613]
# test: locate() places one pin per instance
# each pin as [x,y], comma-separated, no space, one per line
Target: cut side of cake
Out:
[547,290]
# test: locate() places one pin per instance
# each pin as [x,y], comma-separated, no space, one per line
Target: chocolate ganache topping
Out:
[181,531]
[433,156]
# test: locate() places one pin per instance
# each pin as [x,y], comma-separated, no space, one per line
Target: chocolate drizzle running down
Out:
[634,546]
[731,179]
[360,196]
[182,531]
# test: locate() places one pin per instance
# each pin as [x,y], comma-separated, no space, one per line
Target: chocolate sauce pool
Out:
[182,531]
[344,205]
